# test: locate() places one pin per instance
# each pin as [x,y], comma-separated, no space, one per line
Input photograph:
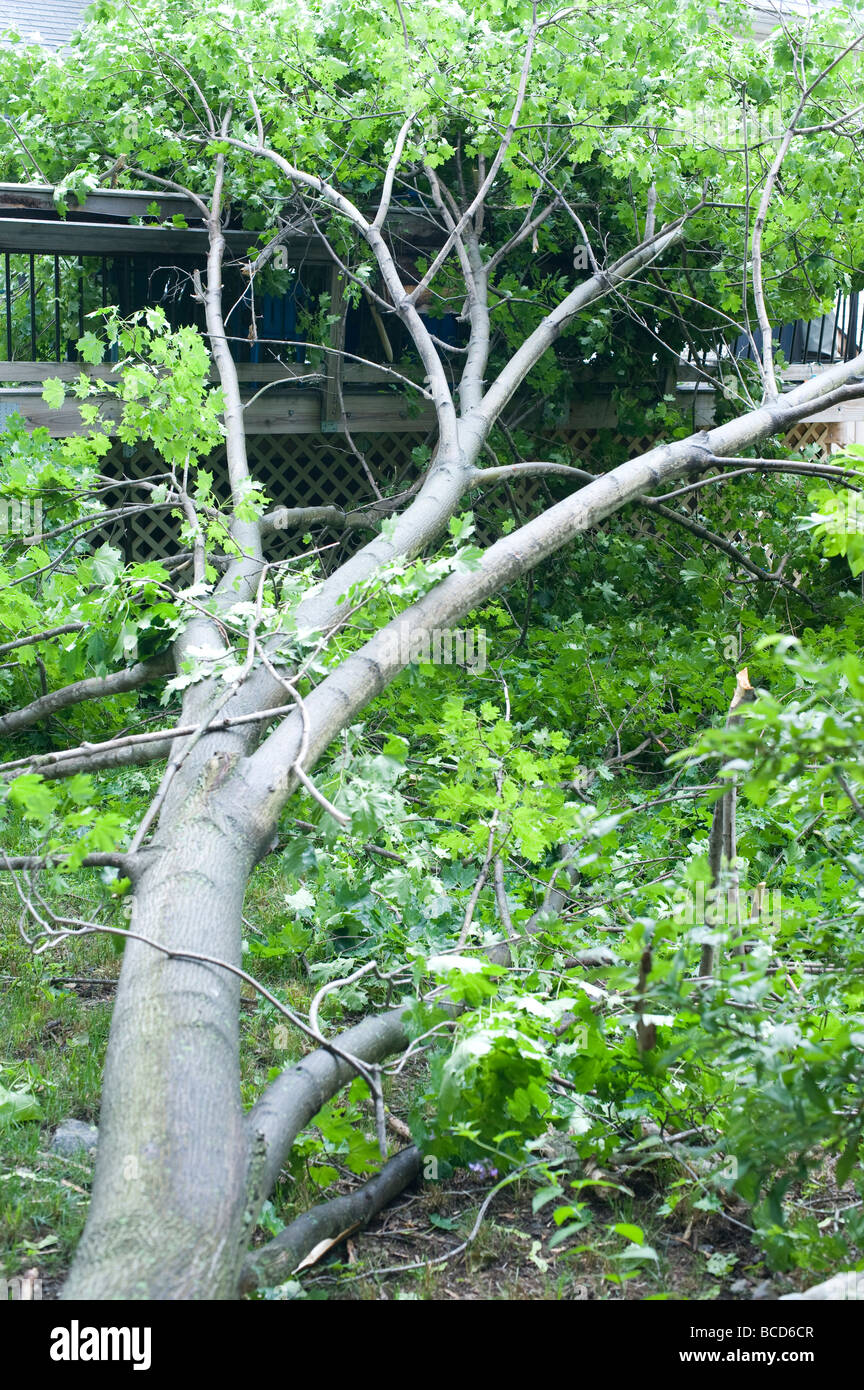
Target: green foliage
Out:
[837,521]
[650,94]
[597,726]
[164,392]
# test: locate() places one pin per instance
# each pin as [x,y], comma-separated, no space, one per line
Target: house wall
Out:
[54,21]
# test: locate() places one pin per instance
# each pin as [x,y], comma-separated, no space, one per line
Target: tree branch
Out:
[93,688]
[39,762]
[98,860]
[402,303]
[364,674]
[480,197]
[291,1101]
[550,328]
[33,637]
[390,174]
[245,533]
[276,1261]
[767,355]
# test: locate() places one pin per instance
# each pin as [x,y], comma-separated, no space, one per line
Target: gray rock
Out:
[74,1139]
[842,1287]
[763,1291]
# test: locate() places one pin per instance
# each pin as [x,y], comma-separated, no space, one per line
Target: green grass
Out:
[53,1039]
[52,1043]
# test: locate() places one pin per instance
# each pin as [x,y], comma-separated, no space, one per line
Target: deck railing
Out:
[837,336]
[45,300]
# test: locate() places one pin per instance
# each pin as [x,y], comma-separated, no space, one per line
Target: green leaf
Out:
[634,1233]
[847,1160]
[543,1196]
[107,564]
[53,392]
[91,349]
[33,796]
[637,1252]
[17,1106]
[444,1223]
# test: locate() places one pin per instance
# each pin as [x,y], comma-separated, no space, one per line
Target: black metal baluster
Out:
[80,296]
[32,307]
[57,357]
[8,269]
[113,295]
[852,348]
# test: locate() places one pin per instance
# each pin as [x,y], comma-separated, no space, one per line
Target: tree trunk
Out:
[168,1209]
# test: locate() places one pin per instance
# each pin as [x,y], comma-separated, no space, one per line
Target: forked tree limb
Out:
[368,671]
[404,307]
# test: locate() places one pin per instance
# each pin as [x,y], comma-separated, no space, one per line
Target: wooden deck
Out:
[293,398]
[299,406]
[289,398]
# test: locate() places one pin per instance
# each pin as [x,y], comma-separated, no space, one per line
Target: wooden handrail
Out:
[354,373]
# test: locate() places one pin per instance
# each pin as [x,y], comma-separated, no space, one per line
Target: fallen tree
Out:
[182,1171]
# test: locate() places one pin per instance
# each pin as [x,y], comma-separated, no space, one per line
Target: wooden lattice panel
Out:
[148,535]
[294,470]
[595,450]
[315,470]
[827,437]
